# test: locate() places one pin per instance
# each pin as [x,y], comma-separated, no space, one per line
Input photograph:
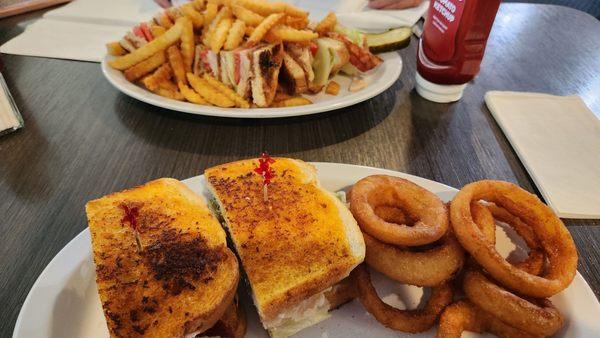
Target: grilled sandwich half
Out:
[294,247]
[181,277]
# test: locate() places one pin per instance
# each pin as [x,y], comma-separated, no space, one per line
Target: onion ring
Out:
[393,215]
[341,293]
[421,268]
[413,321]
[484,216]
[429,267]
[484,220]
[513,310]
[232,324]
[464,316]
[534,263]
[555,239]
[425,207]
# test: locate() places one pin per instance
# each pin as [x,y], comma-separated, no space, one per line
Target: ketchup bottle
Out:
[452,46]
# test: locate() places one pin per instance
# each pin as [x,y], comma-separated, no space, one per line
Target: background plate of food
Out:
[64,300]
[375,83]
[251,59]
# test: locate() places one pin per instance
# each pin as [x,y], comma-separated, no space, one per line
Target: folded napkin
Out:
[64,40]
[558,140]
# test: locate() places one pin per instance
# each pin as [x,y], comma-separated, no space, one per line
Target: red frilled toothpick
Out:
[130,217]
[264,169]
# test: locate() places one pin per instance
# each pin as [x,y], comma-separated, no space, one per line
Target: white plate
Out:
[378,80]
[64,302]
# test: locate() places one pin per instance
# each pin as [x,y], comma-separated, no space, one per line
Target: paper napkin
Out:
[107,12]
[80,29]
[357,14]
[64,40]
[558,140]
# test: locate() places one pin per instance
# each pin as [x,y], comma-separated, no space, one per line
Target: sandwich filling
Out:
[304,314]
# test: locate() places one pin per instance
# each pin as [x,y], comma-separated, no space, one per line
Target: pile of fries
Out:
[164,65]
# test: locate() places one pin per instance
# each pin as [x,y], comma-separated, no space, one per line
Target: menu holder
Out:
[10,118]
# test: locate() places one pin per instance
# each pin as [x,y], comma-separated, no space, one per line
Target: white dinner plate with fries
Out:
[376,81]
[64,302]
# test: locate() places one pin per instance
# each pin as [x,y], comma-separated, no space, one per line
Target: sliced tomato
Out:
[137,31]
[146,31]
[313,48]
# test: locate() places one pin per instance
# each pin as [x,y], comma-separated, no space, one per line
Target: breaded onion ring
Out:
[424,206]
[534,263]
[484,220]
[393,215]
[484,216]
[411,265]
[402,320]
[430,267]
[464,316]
[555,239]
[543,319]
[341,293]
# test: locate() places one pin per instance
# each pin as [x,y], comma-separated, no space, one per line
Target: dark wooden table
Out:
[84,139]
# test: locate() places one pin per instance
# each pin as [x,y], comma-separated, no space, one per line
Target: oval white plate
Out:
[64,302]
[378,80]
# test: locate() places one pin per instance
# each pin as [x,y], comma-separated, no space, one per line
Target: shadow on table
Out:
[35,162]
[246,137]
[430,124]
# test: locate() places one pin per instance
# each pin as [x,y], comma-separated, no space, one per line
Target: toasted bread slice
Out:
[266,63]
[304,57]
[184,277]
[293,247]
[292,77]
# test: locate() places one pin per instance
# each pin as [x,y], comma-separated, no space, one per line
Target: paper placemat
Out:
[558,140]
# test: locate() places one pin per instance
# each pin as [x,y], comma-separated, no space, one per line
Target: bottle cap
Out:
[437,92]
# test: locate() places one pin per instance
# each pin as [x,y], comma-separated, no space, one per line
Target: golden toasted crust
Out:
[185,276]
[292,247]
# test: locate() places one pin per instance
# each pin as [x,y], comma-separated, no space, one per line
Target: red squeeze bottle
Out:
[452,46]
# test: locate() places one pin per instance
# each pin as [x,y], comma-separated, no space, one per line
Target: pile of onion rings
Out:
[407,236]
[412,238]
[508,298]
[554,238]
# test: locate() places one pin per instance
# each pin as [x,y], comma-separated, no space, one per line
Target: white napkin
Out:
[108,12]
[558,140]
[64,40]
[358,15]
[81,29]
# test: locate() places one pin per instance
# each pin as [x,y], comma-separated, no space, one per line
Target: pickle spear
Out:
[389,41]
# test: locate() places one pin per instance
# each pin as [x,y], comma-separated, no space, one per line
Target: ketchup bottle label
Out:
[444,16]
